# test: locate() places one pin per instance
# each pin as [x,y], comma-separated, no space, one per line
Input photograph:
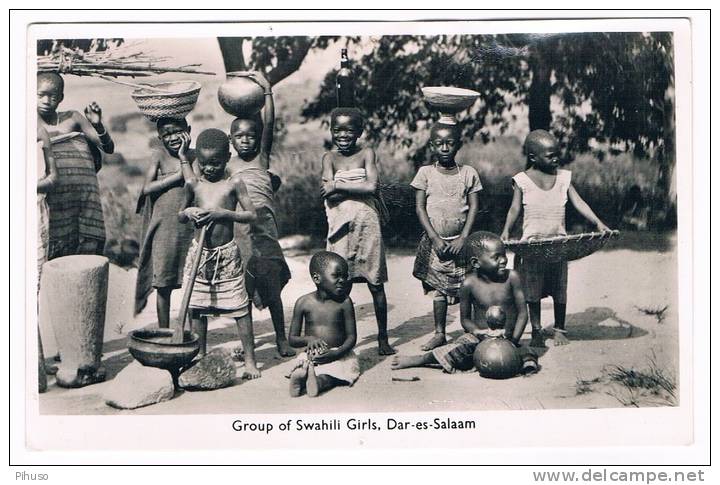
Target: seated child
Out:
[165,240]
[446,197]
[76,218]
[330,333]
[493,294]
[542,191]
[350,181]
[212,200]
[266,271]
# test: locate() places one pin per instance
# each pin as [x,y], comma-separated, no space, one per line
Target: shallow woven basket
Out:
[561,248]
[176,103]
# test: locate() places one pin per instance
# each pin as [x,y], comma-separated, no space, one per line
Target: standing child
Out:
[76,218]
[165,240]
[446,203]
[46,181]
[267,272]
[542,191]
[212,200]
[492,305]
[330,332]
[350,181]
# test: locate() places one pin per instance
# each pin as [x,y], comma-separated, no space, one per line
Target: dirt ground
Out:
[607,328]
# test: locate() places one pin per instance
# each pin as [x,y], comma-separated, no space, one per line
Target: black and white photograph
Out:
[430,221]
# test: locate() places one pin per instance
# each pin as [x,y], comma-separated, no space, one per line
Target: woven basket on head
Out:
[176,101]
[561,248]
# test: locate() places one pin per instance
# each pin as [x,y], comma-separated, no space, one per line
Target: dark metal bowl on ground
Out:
[154,348]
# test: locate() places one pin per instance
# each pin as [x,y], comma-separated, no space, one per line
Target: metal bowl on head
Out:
[154,348]
[449,100]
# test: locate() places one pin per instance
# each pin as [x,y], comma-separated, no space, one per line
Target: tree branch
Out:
[292,62]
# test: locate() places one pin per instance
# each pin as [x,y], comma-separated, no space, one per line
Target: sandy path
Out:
[605,325]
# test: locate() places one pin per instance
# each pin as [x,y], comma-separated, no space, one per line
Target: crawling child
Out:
[492,304]
[330,333]
[212,201]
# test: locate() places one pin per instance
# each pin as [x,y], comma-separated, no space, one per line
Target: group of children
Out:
[241,262]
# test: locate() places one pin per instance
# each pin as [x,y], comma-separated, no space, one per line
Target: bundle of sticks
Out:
[108,63]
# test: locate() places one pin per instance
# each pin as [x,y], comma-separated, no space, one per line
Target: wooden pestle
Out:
[179,329]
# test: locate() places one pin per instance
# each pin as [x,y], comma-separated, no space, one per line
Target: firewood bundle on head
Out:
[112,62]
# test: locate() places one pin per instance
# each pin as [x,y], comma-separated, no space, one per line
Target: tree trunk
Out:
[539,115]
[232,53]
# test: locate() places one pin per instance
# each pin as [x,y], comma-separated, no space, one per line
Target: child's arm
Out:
[350,336]
[457,244]
[520,306]
[513,213]
[295,338]
[369,186]
[439,244]
[266,141]
[188,212]
[47,183]
[328,173]
[585,209]
[92,127]
[152,185]
[466,304]
[188,173]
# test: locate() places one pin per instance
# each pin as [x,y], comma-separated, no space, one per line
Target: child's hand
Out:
[93,113]
[184,146]
[456,245]
[258,77]
[323,358]
[439,245]
[602,227]
[316,346]
[505,236]
[194,213]
[327,189]
[210,216]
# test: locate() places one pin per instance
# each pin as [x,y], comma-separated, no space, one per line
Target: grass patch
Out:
[652,385]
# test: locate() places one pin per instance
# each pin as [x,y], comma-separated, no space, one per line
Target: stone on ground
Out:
[214,371]
[137,385]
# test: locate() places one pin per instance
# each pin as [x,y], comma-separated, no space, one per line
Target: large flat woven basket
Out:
[561,248]
[177,100]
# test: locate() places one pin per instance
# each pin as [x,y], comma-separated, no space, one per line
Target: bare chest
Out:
[218,195]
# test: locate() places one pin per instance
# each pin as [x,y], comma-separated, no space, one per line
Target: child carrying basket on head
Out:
[542,191]
[447,200]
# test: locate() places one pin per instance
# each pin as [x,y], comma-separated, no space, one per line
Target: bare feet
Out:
[405,361]
[384,347]
[251,372]
[284,349]
[436,341]
[297,380]
[559,337]
[537,340]
[313,389]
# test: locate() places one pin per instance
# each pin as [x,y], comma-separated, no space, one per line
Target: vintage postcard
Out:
[454,234]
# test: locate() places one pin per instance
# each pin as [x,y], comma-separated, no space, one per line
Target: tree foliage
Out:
[612,89]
